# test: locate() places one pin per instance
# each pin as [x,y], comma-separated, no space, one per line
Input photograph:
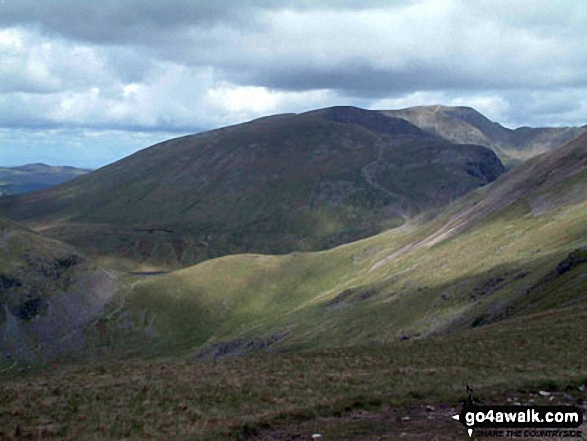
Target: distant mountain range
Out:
[483,281]
[274,185]
[31,177]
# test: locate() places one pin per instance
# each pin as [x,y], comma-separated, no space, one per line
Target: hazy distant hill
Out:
[30,177]
[465,125]
[277,184]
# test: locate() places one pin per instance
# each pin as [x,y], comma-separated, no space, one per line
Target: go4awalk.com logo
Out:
[521,421]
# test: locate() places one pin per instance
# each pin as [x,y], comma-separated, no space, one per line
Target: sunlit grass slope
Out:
[512,248]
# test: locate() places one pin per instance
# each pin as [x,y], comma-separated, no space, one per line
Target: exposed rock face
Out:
[48,295]
[574,259]
[239,347]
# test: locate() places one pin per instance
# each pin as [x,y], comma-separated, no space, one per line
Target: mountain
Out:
[48,293]
[31,177]
[514,248]
[464,125]
[379,338]
[275,185]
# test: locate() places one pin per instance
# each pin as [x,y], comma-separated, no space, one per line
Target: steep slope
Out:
[465,125]
[48,294]
[275,185]
[31,177]
[513,248]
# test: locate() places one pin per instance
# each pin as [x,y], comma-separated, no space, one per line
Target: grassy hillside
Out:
[376,339]
[400,390]
[31,177]
[465,125]
[513,248]
[275,185]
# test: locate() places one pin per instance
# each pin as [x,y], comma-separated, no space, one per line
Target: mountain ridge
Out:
[464,124]
[492,255]
[292,182]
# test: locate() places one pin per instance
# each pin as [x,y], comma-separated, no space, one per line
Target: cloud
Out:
[377,52]
[78,147]
[131,21]
[23,66]
[429,44]
[152,66]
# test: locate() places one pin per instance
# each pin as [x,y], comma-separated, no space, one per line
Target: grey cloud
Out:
[235,39]
[360,79]
[129,66]
[139,21]
[112,21]
[510,50]
[559,107]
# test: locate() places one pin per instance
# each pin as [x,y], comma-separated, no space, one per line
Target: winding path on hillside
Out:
[369,173]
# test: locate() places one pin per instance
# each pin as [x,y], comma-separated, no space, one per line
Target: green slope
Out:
[286,183]
[512,248]
[342,393]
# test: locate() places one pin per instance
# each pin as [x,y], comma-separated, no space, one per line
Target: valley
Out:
[276,185]
[341,272]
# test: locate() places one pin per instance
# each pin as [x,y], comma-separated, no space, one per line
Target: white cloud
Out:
[78,147]
[23,66]
[126,68]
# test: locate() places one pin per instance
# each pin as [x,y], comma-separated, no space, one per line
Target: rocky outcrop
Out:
[49,294]
[239,347]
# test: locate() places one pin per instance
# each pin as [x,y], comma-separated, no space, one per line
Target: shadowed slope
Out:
[48,293]
[512,248]
[274,185]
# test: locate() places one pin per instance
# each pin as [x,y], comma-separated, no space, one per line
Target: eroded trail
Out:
[369,172]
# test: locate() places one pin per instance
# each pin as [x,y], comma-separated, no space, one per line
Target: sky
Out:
[86,83]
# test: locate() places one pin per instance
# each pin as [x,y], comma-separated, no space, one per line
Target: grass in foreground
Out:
[244,397]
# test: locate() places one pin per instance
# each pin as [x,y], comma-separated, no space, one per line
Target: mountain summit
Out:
[274,185]
[464,125]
